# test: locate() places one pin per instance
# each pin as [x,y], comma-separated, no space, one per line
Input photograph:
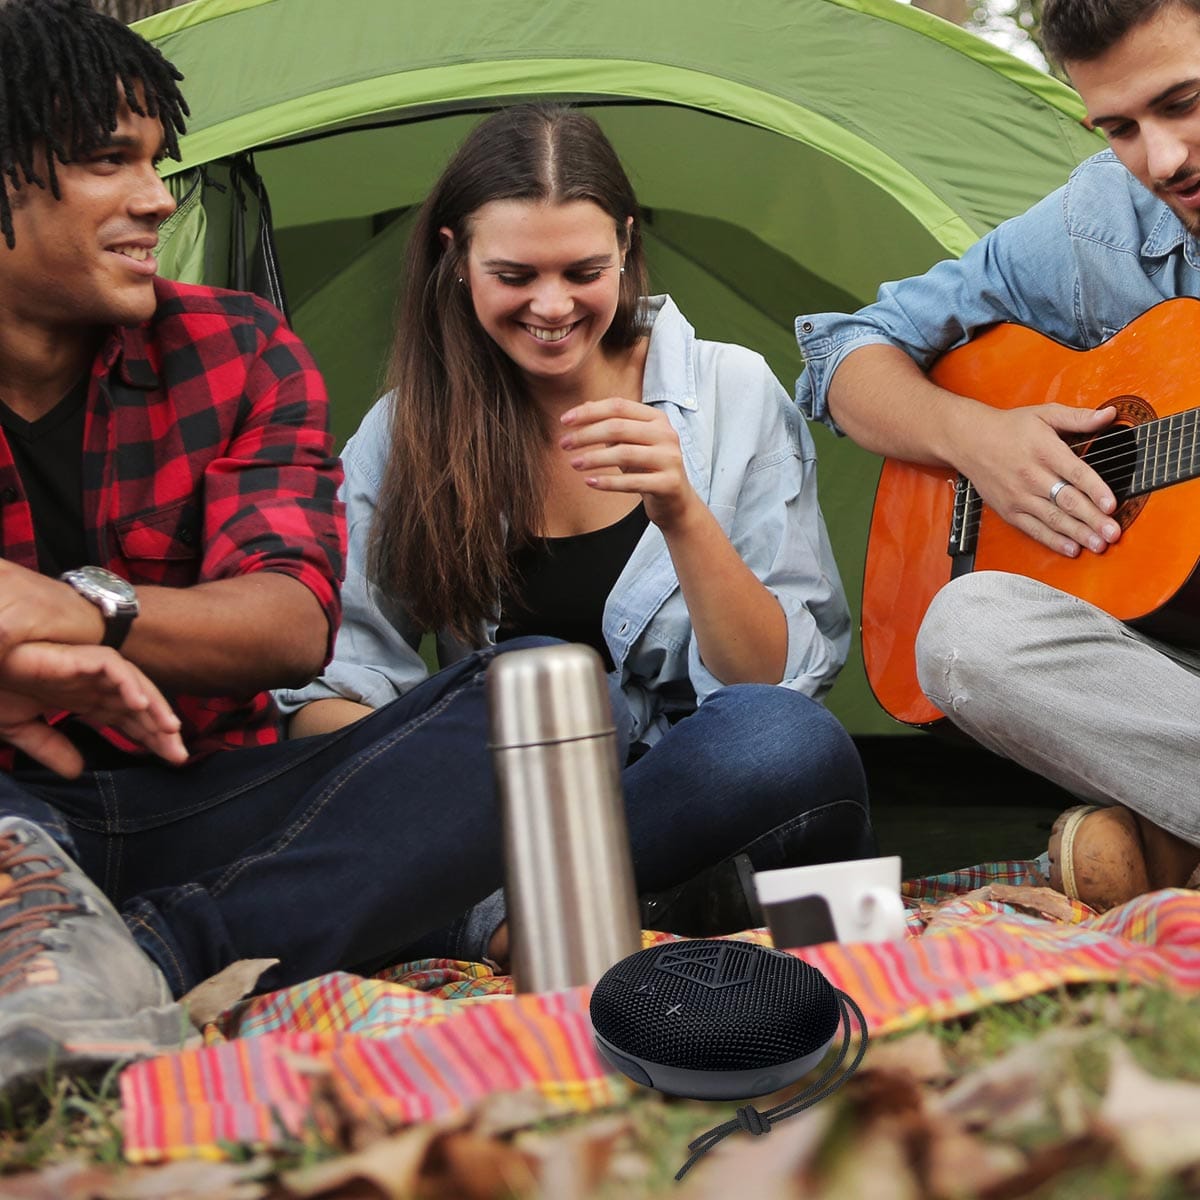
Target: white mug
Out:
[856,901]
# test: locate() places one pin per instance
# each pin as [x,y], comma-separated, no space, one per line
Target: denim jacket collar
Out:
[1167,235]
[670,374]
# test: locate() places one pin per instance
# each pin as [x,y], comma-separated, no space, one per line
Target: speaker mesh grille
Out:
[714,1005]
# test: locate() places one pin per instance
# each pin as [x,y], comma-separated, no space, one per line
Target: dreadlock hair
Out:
[465,481]
[64,71]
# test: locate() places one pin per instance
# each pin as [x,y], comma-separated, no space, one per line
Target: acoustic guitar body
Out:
[1148,578]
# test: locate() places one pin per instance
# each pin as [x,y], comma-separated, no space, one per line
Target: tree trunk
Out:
[956,11]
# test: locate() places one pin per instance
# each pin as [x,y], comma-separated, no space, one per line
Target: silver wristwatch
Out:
[111,594]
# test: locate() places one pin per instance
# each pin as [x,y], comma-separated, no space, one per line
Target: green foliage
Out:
[63,1118]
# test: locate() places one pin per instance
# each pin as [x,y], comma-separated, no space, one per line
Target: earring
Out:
[460,278]
[622,270]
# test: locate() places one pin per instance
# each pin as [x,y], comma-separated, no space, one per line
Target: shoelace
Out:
[18,930]
[756,1123]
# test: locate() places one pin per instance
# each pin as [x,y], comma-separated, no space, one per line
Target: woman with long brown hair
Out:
[559,455]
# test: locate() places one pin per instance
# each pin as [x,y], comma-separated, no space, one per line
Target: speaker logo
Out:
[711,966]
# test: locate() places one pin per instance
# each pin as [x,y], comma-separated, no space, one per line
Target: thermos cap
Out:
[547,694]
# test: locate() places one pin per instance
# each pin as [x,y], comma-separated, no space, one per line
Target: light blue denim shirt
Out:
[748,454]
[1078,266]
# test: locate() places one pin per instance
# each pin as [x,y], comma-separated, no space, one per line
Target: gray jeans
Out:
[1069,692]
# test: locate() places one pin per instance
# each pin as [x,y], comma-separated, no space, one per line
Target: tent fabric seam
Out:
[954,37]
[823,133]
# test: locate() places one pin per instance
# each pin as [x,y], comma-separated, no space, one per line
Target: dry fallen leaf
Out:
[1041,901]
[1155,1122]
[962,1164]
[769,1167]
[1044,1164]
[570,1164]
[919,1055]
[1074,1119]
[478,1168]
[391,1165]
[1011,1092]
[190,1179]
[72,1180]
[504,1112]
[219,993]
[878,1165]
[878,1093]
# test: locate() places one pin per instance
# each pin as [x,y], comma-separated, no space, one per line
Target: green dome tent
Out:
[791,155]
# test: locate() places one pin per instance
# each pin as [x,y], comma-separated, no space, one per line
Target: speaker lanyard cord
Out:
[755,1123]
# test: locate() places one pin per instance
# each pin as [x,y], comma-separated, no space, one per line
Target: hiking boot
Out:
[77,994]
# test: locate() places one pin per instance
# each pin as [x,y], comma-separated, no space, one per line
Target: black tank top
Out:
[562,583]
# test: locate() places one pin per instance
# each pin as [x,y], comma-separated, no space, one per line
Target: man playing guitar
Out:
[1028,670]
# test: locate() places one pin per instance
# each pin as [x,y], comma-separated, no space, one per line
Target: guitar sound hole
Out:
[1113,456]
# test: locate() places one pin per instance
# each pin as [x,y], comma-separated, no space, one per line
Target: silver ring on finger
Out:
[1056,488]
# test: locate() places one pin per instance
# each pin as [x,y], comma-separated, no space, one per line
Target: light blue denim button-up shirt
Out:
[749,456]
[1077,267]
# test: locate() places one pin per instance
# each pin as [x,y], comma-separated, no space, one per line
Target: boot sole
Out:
[35,1048]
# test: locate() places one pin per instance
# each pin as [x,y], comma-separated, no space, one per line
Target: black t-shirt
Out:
[48,454]
[563,583]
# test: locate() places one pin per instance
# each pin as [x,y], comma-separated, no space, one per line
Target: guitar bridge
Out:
[964,527]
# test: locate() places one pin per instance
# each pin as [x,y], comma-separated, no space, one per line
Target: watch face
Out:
[101,580]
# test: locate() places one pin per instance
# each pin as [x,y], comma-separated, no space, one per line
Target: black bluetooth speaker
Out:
[714,1020]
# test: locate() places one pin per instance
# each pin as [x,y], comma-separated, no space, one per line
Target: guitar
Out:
[929,524]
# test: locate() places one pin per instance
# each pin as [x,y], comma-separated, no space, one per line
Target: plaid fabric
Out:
[397,1048]
[206,455]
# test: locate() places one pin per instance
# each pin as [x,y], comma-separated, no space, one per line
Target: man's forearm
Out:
[231,636]
[888,405]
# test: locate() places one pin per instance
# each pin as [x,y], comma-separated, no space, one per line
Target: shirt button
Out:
[186,536]
[8,495]
[806,327]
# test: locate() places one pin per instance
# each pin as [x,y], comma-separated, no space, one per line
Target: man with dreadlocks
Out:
[169,520]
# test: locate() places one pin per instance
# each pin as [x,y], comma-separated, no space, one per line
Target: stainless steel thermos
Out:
[572,906]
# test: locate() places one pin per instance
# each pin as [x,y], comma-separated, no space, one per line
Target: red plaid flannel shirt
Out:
[207,455]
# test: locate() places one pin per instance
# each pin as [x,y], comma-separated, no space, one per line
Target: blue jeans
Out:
[338,851]
[757,770]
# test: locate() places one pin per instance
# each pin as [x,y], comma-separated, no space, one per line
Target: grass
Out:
[1161,1029]
[63,1118]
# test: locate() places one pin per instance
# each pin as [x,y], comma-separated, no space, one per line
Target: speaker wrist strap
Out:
[756,1123]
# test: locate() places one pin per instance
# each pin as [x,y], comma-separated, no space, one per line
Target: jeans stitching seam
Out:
[224,797]
[142,923]
[367,756]
[103,781]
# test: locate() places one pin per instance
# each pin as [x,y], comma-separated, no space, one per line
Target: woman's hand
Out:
[740,628]
[639,441]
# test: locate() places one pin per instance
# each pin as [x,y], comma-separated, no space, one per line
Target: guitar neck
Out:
[1166,451]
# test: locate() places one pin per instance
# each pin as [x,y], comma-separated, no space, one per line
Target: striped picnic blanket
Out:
[430,1038]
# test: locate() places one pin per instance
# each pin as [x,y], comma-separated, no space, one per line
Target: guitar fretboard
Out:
[1167,452]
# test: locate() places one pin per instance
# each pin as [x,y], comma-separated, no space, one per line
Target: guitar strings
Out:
[1120,460]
